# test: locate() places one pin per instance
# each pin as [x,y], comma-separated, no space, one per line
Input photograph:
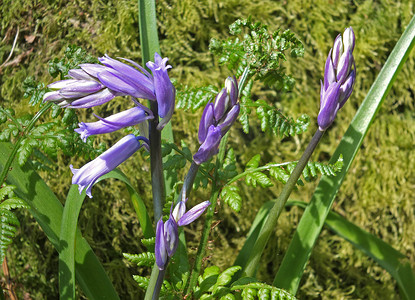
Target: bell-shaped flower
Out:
[339,78]
[96,84]
[216,120]
[82,93]
[129,117]
[86,176]
[167,236]
[164,89]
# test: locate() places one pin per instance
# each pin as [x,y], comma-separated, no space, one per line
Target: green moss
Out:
[377,193]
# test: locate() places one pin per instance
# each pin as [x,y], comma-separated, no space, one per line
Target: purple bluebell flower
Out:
[106,162]
[216,120]
[129,117]
[167,236]
[164,89]
[339,78]
[95,84]
[76,93]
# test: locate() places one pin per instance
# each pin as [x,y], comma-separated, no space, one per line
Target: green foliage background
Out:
[377,194]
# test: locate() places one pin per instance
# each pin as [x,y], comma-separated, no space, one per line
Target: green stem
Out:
[271,222]
[156,165]
[208,221]
[17,123]
[23,134]
[188,181]
[159,283]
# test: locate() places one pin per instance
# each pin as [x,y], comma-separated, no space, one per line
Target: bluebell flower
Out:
[106,162]
[167,236]
[164,89]
[95,84]
[339,78]
[216,120]
[129,117]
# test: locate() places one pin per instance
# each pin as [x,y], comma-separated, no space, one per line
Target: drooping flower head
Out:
[95,84]
[339,78]
[86,176]
[216,120]
[167,236]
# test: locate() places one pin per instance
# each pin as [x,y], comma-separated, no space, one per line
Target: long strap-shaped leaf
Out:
[68,231]
[47,210]
[393,261]
[308,230]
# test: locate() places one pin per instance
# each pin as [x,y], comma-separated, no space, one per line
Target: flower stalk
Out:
[269,226]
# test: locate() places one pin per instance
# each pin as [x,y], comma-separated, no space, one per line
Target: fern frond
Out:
[194,98]
[146,259]
[231,196]
[8,220]
[8,228]
[259,290]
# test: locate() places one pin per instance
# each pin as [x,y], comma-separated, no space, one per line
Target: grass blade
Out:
[292,267]
[48,210]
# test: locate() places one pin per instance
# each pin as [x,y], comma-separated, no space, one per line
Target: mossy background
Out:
[376,195]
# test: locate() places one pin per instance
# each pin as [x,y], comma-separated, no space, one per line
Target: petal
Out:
[57,85]
[222,102]
[171,236]
[80,89]
[179,210]
[230,118]
[193,214]
[160,247]
[92,69]
[92,100]
[329,110]
[337,50]
[209,147]
[106,162]
[347,88]
[80,74]
[116,81]
[136,77]
[205,122]
[329,72]
[349,39]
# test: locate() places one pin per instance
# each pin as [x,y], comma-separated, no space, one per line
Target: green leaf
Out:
[13,203]
[143,259]
[393,261]
[309,228]
[8,228]
[225,277]
[230,195]
[193,98]
[71,211]
[47,210]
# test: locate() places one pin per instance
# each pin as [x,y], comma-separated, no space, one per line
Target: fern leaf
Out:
[8,228]
[149,242]
[194,98]
[143,259]
[13,203]
[230,195]
[254,178]
[142,281]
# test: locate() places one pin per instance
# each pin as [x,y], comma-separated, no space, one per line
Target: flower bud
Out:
[339,78]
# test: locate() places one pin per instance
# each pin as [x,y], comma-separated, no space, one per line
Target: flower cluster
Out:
[216,120]
[95,84]
[339,78]
[167,236]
